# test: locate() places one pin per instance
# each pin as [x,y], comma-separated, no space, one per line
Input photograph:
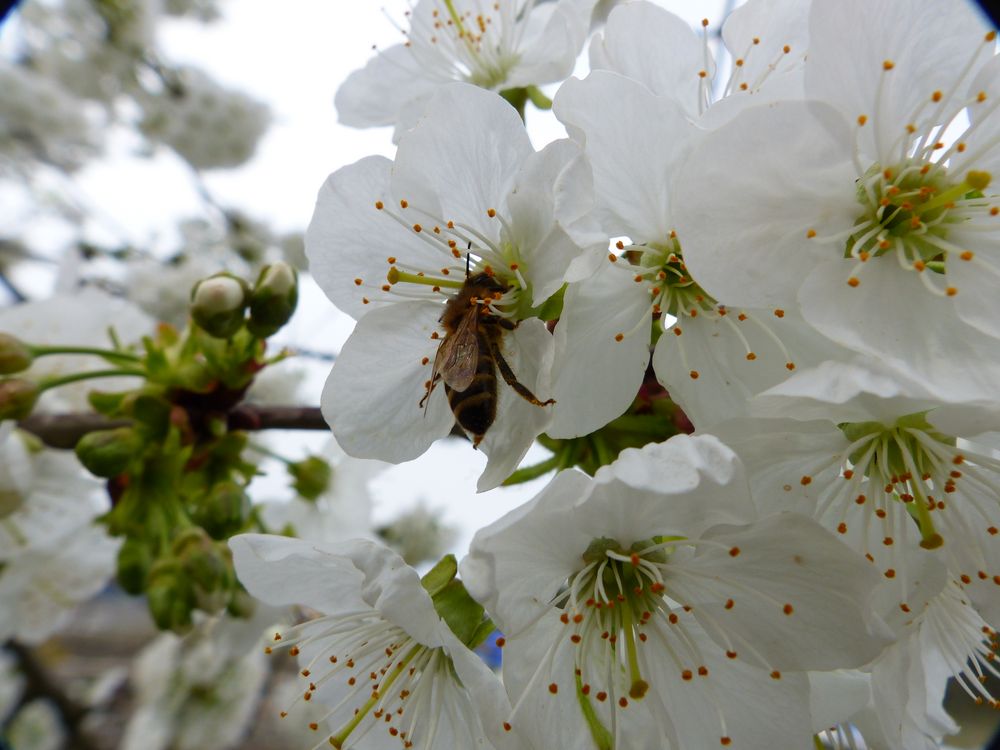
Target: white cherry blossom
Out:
[855,205]
[710,357]
[650,604]
[767,40]
[391,243]
[498,45]
[861,447]
[389,670]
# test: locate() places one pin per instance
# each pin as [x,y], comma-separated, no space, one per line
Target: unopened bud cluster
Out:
[222,305]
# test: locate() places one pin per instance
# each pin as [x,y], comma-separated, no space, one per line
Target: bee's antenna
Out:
[467,260]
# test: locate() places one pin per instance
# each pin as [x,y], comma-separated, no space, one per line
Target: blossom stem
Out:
[78,376]
[528,473]
[41,351]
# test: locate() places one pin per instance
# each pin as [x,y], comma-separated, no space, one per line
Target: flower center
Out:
[464,251]
[908,211]
[675,297]
[389,676]
[475,45]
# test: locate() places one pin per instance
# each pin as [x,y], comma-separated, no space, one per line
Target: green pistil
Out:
[974,182]
[600,734]
[395,276]
[450,5]
[639,685]
[904,458]
[337,740]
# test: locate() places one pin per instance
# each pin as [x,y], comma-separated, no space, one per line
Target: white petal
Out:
[789,162]
[372,397]
[349,238]
[518,563]
[718,349]
[551,210]
[800,595]
[757,33]
[655,48]
[849,42]
[634,140]
[890,315]
[375,94]
[596,377]
[528,350]
[467,150]
[551,43]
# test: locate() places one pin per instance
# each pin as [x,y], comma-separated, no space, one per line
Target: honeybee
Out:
[469,355]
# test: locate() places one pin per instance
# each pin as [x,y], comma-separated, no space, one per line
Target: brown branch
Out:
[40,684]
[64,430]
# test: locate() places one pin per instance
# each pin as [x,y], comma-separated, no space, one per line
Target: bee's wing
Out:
[458,355]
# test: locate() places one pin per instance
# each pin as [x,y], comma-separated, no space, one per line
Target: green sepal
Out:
[551,308]
[484,631]
[108,453]
[108,404]
[538,98]
[440,575]
[134,561]
[461,612]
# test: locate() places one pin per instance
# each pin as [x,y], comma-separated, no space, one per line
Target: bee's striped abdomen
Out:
[475,408]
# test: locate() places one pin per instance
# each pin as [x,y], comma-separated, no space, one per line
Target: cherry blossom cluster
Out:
[792,236]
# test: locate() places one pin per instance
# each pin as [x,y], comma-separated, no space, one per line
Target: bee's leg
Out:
[511,379]
[430,389]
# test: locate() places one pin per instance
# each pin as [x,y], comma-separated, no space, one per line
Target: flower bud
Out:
[134,560]
[17,398]
[107,453]
[170,596]
[273,299]
[14,355]
[222,510]
[218,304]
[312,477]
